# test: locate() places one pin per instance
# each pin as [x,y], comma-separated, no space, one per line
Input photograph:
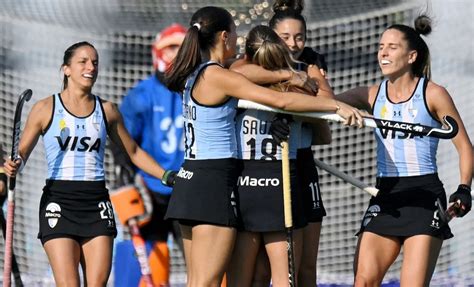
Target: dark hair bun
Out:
[423,25]
[284,5]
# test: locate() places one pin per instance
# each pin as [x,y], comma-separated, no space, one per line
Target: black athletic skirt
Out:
[308,179]
[407,206]
[204,193]
[260,197]
[75,209]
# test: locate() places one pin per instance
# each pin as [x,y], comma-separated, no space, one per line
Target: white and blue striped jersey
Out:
[254,140]
[209,130]
[402,153]
[75,146]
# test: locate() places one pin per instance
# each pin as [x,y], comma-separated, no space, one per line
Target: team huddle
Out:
[212,172]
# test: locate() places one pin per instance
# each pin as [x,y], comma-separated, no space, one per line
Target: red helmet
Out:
[171,35]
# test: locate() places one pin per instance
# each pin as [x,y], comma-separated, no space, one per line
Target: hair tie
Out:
[197,25]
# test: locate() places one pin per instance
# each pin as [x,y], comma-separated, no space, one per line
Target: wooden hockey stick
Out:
[285,162]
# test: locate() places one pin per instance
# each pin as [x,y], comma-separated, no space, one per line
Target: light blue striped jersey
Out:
[254,141]
[209,130]
[401,153]
[75,146]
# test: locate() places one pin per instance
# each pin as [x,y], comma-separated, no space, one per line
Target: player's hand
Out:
[463,199]
[301,80]
[12,167]
[352,116]
[280,128]
[169,178]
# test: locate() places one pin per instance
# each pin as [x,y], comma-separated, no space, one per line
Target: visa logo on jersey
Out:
[76,143]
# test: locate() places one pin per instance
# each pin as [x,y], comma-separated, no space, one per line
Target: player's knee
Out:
[365,280]
[97,280]
[67,282]
[96,283]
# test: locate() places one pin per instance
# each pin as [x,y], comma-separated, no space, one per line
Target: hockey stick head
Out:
[26,95]
[446,133]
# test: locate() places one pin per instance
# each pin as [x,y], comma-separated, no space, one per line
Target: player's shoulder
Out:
[374,89]
[44,104]
[108,105]
[109,108]
[42,111]
[433,88]
[437,94]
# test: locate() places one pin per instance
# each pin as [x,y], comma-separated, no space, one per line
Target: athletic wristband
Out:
[169,177]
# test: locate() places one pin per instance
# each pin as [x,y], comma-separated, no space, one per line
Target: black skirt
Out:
[308,178]
[260,197]
[204,193]
[407,206]
[77,209]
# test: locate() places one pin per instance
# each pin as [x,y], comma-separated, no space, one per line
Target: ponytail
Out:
[198,42]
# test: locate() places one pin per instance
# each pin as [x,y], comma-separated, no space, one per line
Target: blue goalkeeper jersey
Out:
[153,116]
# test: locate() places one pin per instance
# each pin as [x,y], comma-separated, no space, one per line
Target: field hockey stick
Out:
[140,250]
[448,214]
[285,163]
[7,265]
[412,128]
[347,178]
[15,268]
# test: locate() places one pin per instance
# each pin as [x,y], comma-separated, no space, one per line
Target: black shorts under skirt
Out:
[407,206]
[204,193]
[308,178]
[260,197]
[75,209]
